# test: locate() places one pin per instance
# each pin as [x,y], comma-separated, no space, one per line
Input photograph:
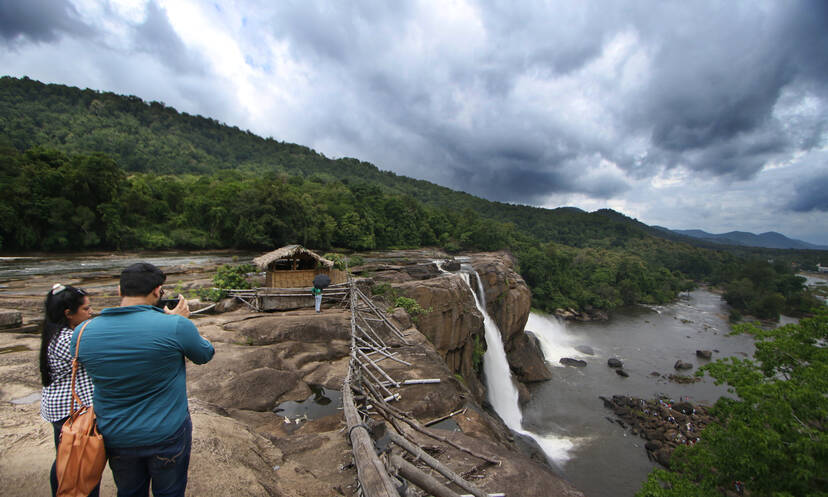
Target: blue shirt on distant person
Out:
[135,357]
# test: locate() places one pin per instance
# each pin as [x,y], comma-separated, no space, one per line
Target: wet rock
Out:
[566,313]
[653,445]
[568,361]
[621,372]
[614,363]
[451,265]
[524,395]
[683,379]
[655,373]
[585,349]
[527,360]
[681,365]
[10,318]
[664,425]
[704,354]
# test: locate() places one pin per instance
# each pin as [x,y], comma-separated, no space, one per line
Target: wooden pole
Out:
[419,478]
[434,463]
[371,473]
[381,315]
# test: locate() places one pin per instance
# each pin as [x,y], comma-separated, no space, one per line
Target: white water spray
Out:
[503,394]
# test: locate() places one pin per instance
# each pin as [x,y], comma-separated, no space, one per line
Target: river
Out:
[596,455]
[27,266]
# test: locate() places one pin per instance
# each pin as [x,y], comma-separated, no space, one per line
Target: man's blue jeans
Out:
[165,464]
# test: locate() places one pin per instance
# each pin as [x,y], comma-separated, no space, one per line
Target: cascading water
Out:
[503,394]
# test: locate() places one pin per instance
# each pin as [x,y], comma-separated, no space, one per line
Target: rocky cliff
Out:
[508,302]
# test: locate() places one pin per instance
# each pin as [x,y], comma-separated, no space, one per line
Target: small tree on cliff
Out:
[773,437]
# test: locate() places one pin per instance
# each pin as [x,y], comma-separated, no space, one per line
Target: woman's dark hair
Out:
[58,300]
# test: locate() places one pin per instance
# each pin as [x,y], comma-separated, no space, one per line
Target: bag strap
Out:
[75,397]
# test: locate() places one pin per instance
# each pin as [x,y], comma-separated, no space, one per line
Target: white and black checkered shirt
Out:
[56,399]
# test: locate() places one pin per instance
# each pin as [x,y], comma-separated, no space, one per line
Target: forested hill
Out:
[83,169]
[153,138]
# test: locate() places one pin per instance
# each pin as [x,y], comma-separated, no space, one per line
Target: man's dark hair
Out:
[141,278]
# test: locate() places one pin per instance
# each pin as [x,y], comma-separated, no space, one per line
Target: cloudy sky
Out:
[701,114]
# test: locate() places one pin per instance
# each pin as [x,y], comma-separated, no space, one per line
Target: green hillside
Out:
[83,169]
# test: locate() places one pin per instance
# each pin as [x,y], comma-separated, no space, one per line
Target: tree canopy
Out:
[771,435]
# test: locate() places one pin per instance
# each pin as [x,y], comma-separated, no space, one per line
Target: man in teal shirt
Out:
[135,356]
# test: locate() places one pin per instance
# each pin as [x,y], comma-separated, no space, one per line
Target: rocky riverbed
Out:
[266,361]
[664,423]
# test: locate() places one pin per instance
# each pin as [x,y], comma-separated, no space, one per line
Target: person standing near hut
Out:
[317,298]
[320,281]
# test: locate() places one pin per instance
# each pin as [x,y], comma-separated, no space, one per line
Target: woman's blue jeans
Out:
[164,465]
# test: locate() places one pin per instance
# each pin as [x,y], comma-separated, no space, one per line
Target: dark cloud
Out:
[714,90]
[157,37]
[811,195]
[38,20]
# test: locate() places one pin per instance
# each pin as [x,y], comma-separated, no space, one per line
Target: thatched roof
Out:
[287,253]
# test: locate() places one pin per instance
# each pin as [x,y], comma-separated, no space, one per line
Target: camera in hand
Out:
[169,303]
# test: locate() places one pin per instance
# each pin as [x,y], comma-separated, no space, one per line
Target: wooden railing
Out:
[367,393]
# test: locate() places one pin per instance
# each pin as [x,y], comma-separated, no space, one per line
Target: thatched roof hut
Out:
[294,266]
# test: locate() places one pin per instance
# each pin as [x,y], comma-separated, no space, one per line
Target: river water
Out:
[600,458]
[22,267]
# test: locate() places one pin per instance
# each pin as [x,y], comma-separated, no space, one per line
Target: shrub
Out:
[228,277]
[411,307]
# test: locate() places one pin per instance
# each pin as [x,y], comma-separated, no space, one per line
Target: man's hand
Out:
[182,309]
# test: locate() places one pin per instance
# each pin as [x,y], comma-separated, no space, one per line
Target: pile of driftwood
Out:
[367,395]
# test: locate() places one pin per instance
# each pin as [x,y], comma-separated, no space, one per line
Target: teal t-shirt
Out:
[135,357]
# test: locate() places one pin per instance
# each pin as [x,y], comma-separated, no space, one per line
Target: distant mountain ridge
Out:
[770,239]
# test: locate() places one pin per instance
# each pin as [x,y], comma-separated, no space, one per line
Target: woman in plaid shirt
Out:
[65,308]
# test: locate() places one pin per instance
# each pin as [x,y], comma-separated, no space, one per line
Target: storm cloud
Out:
[39,20]
[593,104]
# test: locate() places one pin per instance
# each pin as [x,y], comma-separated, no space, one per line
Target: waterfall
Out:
[502,393]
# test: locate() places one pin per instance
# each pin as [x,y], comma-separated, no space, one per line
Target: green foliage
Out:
[338,260]
[384,289]
[772,435]
[411,306]
[765,290]
[227,277]
[477,353]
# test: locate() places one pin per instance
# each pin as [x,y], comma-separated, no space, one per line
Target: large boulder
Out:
[681,365]
[614,363]
[527,361]
[508,298]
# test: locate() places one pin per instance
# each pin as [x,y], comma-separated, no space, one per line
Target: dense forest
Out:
[82,169]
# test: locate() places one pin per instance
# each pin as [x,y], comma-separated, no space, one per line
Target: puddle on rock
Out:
[321,403]
[13,348]
[29,399]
